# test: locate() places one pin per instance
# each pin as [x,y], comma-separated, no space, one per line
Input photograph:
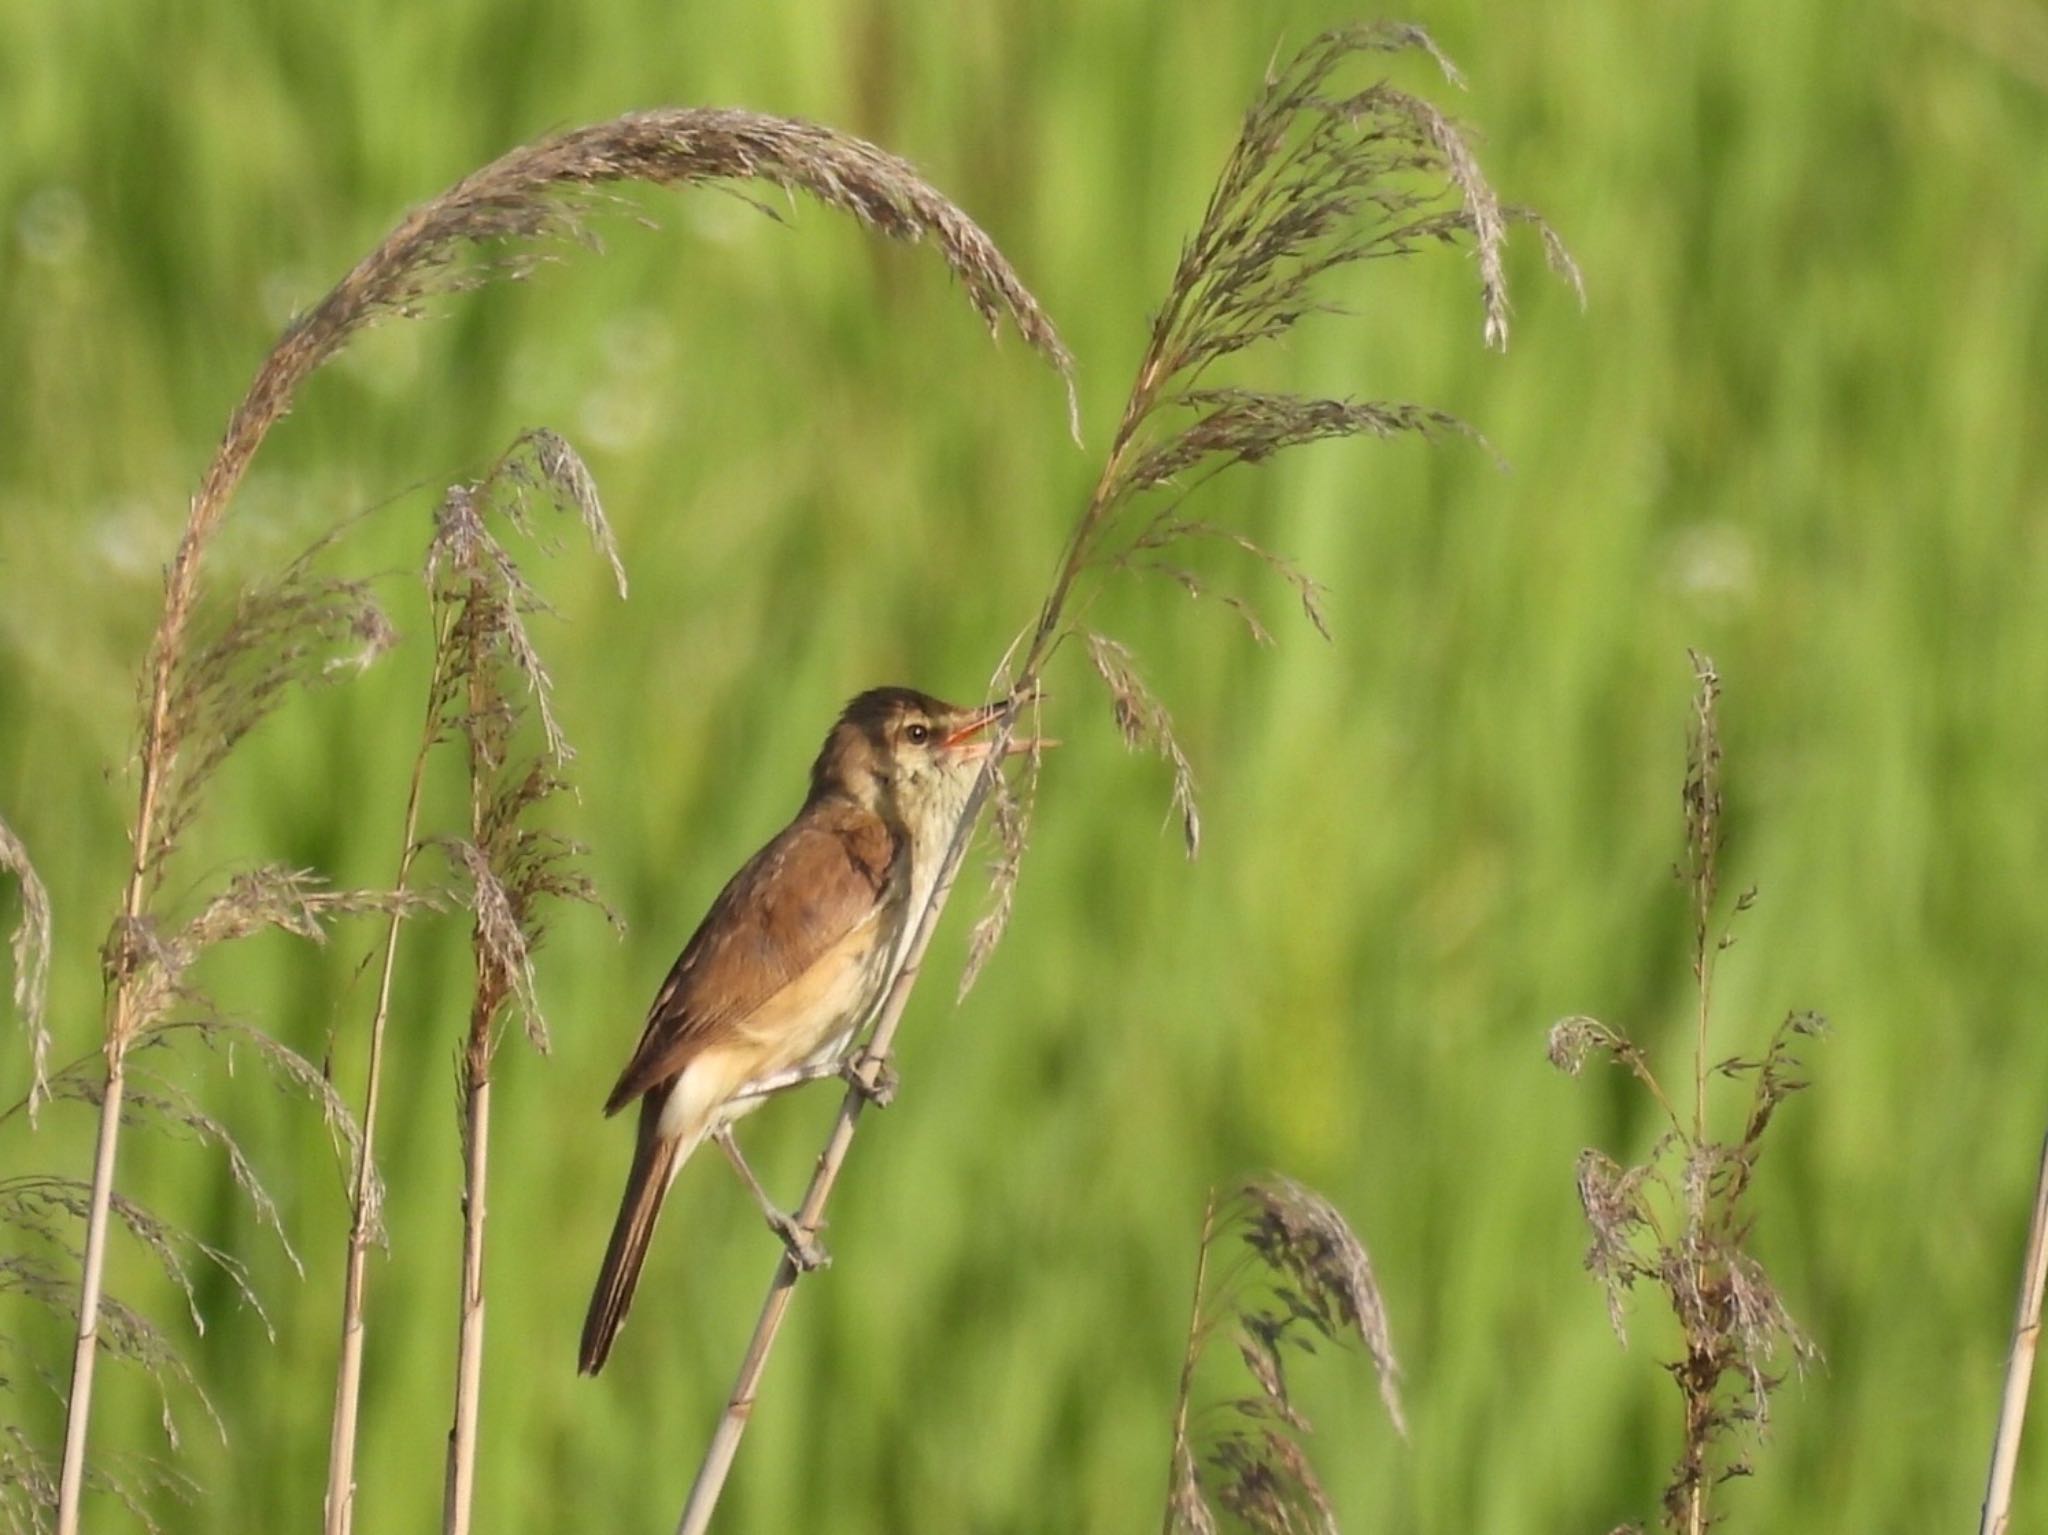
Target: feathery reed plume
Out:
[30,948]
[480,599]
[1304,1276]
[2019,1365]
[544,195]
[516,208]
[28,1479]
[1321,178]
[40,1212]
[1678,1219]
[38,1215]
[491,693]
[1315,182]
[300,629]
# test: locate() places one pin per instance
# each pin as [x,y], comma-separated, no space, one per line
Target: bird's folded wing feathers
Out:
[792,905]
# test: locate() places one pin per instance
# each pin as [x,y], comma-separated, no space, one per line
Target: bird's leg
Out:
[882,1091]
[804,1250]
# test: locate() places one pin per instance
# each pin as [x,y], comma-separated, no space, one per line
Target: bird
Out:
[793,957]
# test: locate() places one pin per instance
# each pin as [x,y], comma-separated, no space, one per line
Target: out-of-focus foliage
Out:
[1797,427]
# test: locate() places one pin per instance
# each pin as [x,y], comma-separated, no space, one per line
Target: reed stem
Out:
[2019,1365]
[341,1458]
[469,1351]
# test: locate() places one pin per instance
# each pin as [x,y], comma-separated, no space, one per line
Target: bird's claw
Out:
[804,1249]
[882,1091]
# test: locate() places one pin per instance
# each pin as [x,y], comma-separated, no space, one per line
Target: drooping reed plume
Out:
[1323,176]
[498,222]
[1680,1219]
[1303,1277]
[492,694]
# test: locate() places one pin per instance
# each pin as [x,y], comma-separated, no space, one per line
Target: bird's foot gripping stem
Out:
[804,1249]
[881,1092]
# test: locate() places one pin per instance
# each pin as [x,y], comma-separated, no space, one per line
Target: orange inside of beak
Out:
[979,721]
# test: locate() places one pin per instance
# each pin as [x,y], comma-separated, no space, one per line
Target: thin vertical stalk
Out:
[1698,1376]
[155,758]
[2019,1365]
[341,1457]
[1703,961]
[1187,1363]
[1699,1072]
[1703,833]
[71,1482]
[469,1351]
[476,1106]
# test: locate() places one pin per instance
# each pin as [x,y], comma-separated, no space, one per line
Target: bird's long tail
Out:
[656,1158]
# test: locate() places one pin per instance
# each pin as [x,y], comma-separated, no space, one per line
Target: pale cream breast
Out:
[819,1008]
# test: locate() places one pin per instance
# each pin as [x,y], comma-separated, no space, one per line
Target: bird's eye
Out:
[918,734]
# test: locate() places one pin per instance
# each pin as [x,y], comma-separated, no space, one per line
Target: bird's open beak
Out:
[962,737]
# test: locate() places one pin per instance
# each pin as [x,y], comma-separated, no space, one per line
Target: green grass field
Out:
[1799,426]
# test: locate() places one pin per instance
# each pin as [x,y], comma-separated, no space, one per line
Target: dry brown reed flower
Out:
[28,1478]
[491,693]
[1304,1277]
[488,676]
[544,195]
[481,600]
[158,966]
[156,1100]
[297,630]
[1678,1220]
[1321,177]
[30,948]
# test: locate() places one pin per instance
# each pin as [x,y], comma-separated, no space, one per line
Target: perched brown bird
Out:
[793,957]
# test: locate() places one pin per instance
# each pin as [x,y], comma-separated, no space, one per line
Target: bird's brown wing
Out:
[793,903]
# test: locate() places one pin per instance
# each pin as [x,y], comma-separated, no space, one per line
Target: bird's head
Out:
[907,756]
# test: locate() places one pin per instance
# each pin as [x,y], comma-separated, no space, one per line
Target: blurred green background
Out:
[1800,426]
